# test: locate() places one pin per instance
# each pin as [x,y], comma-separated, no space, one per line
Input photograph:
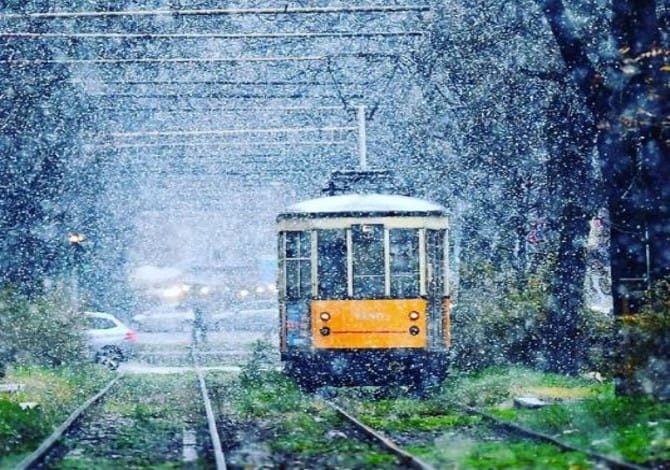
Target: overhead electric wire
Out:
[249,109]
[275,130]
[190,60]
[183,83]
[213,96]
[222,12]
[127,108]
[219,144]
[173,60]
[250,36]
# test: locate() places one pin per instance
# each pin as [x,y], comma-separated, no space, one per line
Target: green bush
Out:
[19,429]
[643,345]
[497,321]
[46,330]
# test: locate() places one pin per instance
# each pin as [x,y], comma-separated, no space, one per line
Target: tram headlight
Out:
[325,316]
[325,331]
[414,330]
[413,315]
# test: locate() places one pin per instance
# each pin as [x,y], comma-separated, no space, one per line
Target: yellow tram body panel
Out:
[369,324]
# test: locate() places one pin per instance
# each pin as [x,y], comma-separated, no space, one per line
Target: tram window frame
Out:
[405,281]
[297,262]
[436,242]
[368,261]
[332,264]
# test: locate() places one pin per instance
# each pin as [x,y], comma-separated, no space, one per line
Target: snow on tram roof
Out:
[349,203]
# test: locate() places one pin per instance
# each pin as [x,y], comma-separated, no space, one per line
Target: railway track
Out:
[505,429]
[219,458]
[522,431]
[209,417]
[131,423]
[38,455]
[406,458]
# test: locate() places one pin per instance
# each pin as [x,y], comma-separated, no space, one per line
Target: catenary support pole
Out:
[362,138]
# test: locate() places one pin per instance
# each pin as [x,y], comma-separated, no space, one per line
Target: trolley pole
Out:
[362,139]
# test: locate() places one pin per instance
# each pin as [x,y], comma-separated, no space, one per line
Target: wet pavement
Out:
[169,352]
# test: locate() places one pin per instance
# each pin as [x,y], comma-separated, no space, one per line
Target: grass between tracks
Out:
[299,430]
[582,412]
[305,430]
[442,435]
[56,391]
[140,425]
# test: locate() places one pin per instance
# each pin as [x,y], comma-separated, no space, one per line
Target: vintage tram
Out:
[364,290]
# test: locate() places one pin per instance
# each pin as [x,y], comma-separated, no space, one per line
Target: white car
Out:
[164,319]
[109,339]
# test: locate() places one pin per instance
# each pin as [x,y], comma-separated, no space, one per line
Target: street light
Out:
[76,241]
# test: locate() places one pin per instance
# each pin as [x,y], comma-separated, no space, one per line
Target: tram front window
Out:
[368,260]
[332,264]
[404,254]
[298,280]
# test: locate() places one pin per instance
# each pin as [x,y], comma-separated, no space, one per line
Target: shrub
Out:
[45,330]
[643,345]
[19,429]
[499,322]
[495,323]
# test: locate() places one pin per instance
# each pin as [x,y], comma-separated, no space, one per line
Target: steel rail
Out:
[407,458]
[538,436]
[244,36]
[219,458]
[38,454]
[221,12]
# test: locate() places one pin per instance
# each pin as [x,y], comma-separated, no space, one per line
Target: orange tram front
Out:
[363,291]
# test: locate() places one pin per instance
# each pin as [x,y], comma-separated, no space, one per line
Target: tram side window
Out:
[435,251]
[404,254]
[332,264]
[368,257]
[298,272]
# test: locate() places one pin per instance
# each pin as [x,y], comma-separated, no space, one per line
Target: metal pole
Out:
[362,139]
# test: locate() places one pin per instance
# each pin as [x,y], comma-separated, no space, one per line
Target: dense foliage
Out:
[52,318]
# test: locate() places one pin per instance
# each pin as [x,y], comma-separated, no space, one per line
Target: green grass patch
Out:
[411,415]
[419,423]
[496,385]
[302,428]
[57,391]
[312,435]
[636,429]
[523,455]
[143,420]
[472,454]
[274,394]
[586,414]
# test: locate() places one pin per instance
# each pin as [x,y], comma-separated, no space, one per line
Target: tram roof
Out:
[367,204]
